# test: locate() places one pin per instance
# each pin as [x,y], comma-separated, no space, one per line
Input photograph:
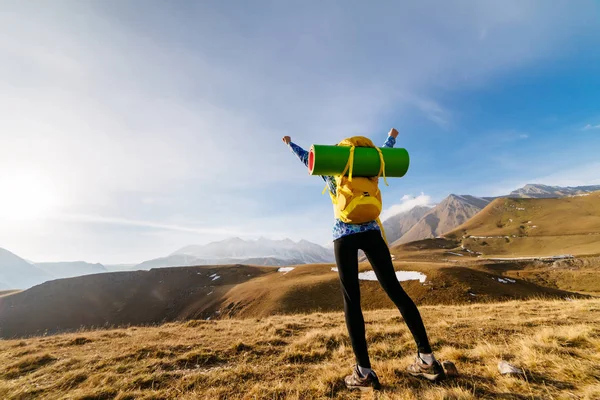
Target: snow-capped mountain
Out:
[238,251]
[303,252]
[538,191]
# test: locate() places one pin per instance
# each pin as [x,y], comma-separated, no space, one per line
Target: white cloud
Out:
[433,111]
[214,230]
[588,127]
[407,203]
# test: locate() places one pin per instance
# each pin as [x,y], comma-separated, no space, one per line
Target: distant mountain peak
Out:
[538,190]
[235,250]
[17,273]
[451,212]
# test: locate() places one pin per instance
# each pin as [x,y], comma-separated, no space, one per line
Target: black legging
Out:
[378,253]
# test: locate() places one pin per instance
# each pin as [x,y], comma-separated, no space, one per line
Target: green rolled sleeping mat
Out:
[332,160]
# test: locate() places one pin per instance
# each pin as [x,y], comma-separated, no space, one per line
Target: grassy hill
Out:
[121,298]
[172,294]
[578,274]
[534,227]
[306,356]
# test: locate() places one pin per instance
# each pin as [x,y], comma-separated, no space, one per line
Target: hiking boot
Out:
[433,372]
[357,381]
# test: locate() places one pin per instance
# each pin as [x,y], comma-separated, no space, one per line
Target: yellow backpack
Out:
[358,199]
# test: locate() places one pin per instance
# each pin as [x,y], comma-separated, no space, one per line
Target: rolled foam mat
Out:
[332,160]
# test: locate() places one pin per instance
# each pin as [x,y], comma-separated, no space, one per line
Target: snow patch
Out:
[470,251]
[216,277]
[456,254]
[505,280]
[520,209]
[334,269]
[285,270]
[559,257]
[400,275]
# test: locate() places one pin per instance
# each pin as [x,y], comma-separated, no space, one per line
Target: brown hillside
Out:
[574,274]
[534,227]
[169,294]
[121,298]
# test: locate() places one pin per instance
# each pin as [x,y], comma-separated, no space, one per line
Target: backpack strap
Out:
[349,164]
[382,168]
[382,231]
[349,167]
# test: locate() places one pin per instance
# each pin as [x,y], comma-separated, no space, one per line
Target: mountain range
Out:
[455,210]
[537,191]
[238,251]
[17,273]
[416,224]
[71,268]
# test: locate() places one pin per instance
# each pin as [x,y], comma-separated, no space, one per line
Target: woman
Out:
[348,239]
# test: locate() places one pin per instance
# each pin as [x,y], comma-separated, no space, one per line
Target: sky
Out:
[129,129]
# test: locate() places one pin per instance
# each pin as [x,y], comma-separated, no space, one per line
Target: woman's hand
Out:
[287,139]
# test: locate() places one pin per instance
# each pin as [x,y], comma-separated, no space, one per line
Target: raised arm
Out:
[297,150]
[303,156]
[391,139]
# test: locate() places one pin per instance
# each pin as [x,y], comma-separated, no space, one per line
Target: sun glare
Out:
[26,196]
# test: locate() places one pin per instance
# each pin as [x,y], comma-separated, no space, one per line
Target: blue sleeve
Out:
[390,142]
[300,152]
[330,181]
[303,156]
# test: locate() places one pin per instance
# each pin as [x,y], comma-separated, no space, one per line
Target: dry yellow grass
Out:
[306,356]
[534,227]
